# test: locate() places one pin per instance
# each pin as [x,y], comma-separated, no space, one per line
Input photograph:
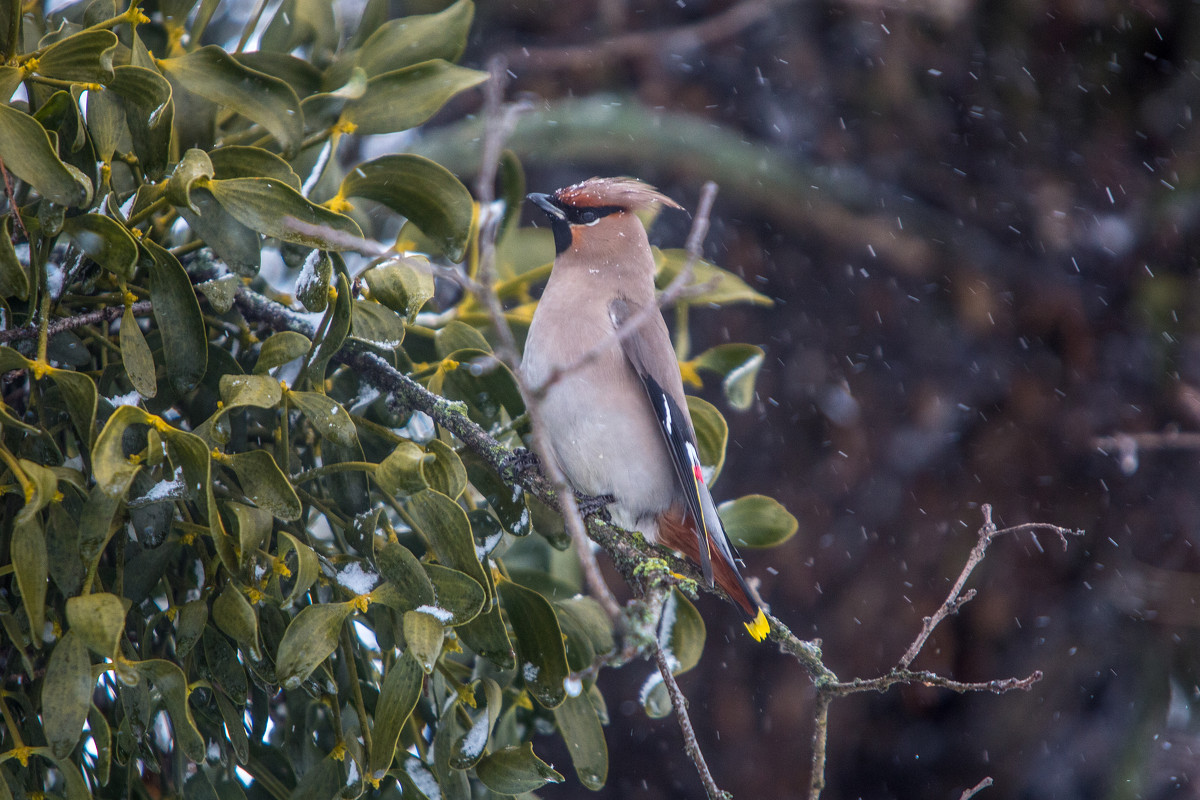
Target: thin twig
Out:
[816,783]
[957,598]
[499,122]
[652,44]
[976,789]
[690,744]
[56,326]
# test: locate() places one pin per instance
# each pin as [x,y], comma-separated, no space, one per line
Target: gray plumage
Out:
[618,424]
[603,432]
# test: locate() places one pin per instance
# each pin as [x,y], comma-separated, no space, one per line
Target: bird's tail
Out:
[679,532]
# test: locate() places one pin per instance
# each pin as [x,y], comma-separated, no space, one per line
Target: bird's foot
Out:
[597,506]
[519,461]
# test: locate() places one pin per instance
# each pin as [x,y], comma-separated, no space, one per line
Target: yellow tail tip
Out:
[759,627]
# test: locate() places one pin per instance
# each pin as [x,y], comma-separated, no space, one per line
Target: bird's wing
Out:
[649,353]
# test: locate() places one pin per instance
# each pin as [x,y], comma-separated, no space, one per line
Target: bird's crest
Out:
[627,193]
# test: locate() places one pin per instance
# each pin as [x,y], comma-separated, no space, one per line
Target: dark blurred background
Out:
[978,221]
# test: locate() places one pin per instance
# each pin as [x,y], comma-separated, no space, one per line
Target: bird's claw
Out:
[596,506]
[519,461]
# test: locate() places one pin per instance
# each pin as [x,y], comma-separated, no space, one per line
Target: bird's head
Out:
[584,205]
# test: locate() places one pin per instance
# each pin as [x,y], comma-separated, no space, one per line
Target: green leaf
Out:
[189,625]
[194,168]
[29,153]
[580,728]
[44,484]
[14,281]
[79,393]
[455,593]
[421,190]
[539,643]
[507,502]
[401,472]
[377,325]
[307,568]
[512,191]
[681,632]
[416,38]
[444,525]
[113,469]
[105,241]
[312,285]
[456,335]
[728,288]
[514,770]
[337,325]
[234,615]
[99,620]
[480,380]
[237,245]
[423,632]
[403,286]
[224,664]
[85,57]
[177,312]
[486,635]
[279,349]
[63,549]
[757,521]
[397,698]
[66,694]
[738,364]
[216,76]
[237,161]
[260,391]
[253,527]
[712,434]
[326,415]
[220,292]
[273,208]
[588,630]
[172,685]
[10,28]
[445,471]
[27,550]
[136,356]
[405,98]
[102,738]
[149,112]
[106,123]
[311,638]
[401,568]
[264,482]
[235,728]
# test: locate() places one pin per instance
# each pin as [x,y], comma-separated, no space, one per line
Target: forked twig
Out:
[901,674]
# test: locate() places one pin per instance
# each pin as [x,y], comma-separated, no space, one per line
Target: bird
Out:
[616,421]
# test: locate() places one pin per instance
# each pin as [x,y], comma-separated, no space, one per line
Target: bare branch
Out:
[816,783]
[690,744]
[976,789]
[652,44]
[56,326]
[957,598]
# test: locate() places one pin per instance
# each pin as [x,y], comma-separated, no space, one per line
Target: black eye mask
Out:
[563,216]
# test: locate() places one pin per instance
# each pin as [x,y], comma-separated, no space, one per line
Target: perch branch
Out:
[690,743]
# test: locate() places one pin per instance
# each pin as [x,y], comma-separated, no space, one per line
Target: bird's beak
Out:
[546,203]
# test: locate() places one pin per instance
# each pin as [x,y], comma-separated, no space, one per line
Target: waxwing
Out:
[618,423]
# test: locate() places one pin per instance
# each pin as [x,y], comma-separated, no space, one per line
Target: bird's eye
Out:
[588,217]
